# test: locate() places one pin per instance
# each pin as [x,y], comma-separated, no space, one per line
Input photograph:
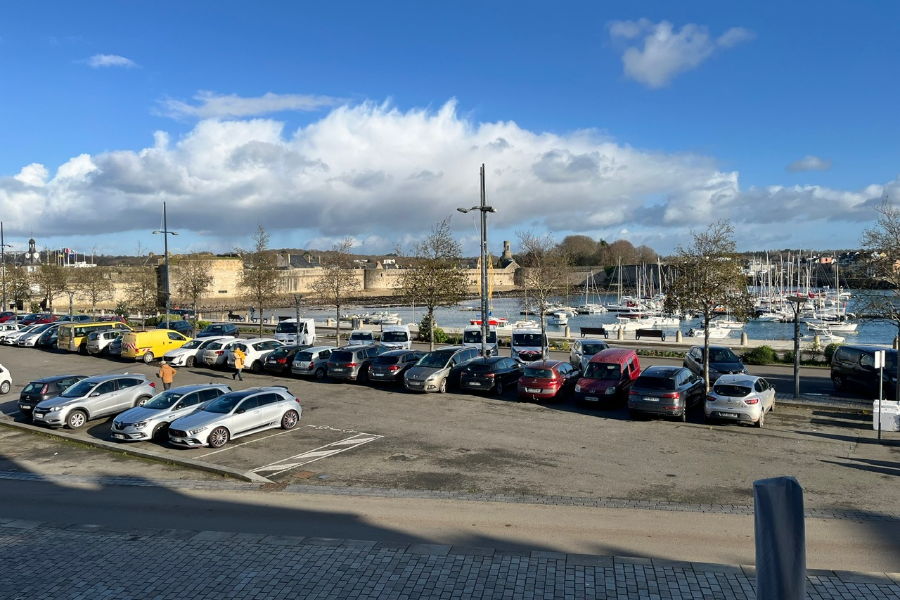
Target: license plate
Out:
[338,369]
[23,407]
[474,383]
[377,374]
[118,436]
[533,390]
[728,415]
[651,399]
[592,398]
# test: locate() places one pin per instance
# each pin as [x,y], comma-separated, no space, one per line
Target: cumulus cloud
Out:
[654,53]
[809,163]
[110,60]
[386,176]
[217,106]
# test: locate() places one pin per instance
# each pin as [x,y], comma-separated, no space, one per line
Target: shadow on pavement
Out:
[882,467]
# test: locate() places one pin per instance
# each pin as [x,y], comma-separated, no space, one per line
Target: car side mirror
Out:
[177,406]
[239,411]
[95,394]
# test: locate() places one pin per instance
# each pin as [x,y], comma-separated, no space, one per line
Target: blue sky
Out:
[618,120]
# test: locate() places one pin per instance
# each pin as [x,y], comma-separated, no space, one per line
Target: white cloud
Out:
[110,60]
[809,163]
[654,53]
[215,106]
[383,175]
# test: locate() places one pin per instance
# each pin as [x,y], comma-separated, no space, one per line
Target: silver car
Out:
[584,350]
[192,352]
[438,370]
[740,398]
[151,421]
[312,361]
[235,415]
[12,338]
[98,341]
[29,339]
[94,397]
[216,354]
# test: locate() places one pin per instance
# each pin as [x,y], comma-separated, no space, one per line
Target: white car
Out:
[256,350]
[740,398]
[361,337]
[192,352]
[151,421]
[12,338]
[8,329]
[5,380]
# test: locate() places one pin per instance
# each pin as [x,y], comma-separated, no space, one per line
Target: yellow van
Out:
[73,336]
[148,345]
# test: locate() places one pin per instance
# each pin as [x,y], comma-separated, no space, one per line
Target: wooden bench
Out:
[657,333]
[594,331]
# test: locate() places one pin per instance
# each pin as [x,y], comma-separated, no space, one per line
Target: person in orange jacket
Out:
[167,374]
[239,358]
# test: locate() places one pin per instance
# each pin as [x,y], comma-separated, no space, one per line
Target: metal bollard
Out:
[896,343]
[780,539]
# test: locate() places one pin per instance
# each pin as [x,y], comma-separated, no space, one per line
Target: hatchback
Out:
[8,328]
[583,350]
[666,391]
[742,398]
[12,338]
[547,380]
[49,338]
[5,380]
[352,362]
[30,339]
[220,330]
[94,397]
[191,352]
[439,370]
[43,389]
[255,352]
[312,361]
[392,365]
[496,374]
[98,341]
[151,421]
[235,415]
[216,354]
[279,361]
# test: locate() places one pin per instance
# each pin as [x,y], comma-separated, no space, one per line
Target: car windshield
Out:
[214,329]
[394,336]
[655,383]
[224,404]
[474,337]
[192,344]
[164,400]
[79,389]
[527,339]
[591,349]
[361,336]
[387,360]
[735,391]
[285,327]
[435,360]
[604,371]
[722,355]
[534,372]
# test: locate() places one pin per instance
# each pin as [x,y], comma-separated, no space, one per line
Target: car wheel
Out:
[320,373]
[762,418]
[772,408]
[218,437]
[838,382]
[499,388]
[4,387]
[190,361]
[289,420]
[141,401]
[160,432]
[148,357]
[76,419]
[256,367]
[442,388]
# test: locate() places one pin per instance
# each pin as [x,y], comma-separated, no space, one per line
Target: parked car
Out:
[547,380]
[183,327]
[12,338]
[722,361]
[666,391]
[28,339]
[114,350]
[5,380]
[255,351]
[49,338]
[279,360]
[390,366]
[396,337]
[312,361]
[439,370]
[352,362]
[361,337]
[77,319]
[8,328]
[192,352]
[235,415]
[111,319]
[94,397]
[98,341]
[28,319]
[853,369]
[216,354]
[741,398]
[608,376]
[497,374]
[46,318]
[220,330]
[43,389]
[583,350]
[7,315]
[151,421]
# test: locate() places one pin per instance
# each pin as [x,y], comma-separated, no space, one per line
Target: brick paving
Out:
[81,562]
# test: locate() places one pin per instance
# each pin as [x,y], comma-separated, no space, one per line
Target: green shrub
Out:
[202,325]
[440,337]
[761,355]
[788,357]
[829,352]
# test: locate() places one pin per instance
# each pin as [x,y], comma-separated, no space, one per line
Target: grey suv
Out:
[438,370]
[94,397]
[352,362]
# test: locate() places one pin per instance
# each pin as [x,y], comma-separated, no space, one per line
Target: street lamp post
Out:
[485,328]
[297,299]
[3,246]
[166,233]
[796,302]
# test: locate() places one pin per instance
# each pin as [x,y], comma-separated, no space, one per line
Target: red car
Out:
[45,318]
[112,318]
[6,315]
[547,380]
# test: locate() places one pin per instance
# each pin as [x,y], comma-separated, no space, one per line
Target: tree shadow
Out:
[882,467]
[849,438]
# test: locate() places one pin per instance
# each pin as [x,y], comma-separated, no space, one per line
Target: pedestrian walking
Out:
[239,357]
[167,374]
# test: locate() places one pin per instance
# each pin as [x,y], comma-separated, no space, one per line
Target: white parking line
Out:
[278,467]
[232,447]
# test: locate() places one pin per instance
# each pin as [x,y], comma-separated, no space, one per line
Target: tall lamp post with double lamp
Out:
[796,303]
[166,233]
[484,265]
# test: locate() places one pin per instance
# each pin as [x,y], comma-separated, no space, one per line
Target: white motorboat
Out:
[558,318]
[825,337]
[715,333]
[833,327]
[727,324]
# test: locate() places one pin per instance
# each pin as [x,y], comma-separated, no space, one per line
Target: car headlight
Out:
[610,391]
[198,430]
[577,387]
[139,424]
[55,408]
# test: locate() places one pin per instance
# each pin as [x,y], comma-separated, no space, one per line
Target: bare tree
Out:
[142,292]
[52,280]
[545,272]
[708,279]
[93,284]
[338,280]
[259,278]
[193,277]
[18,285]
[435,278]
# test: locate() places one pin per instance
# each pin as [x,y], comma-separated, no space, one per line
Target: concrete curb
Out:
[130,450]
[443,550]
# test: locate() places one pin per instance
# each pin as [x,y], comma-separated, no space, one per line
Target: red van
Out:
[608,377]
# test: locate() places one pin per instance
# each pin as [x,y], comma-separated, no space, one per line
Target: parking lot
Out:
[360,435]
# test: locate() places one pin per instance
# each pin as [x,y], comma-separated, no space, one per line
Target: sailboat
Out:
[588,307]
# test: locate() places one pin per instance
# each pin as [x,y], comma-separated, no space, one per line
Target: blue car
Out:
[219,329]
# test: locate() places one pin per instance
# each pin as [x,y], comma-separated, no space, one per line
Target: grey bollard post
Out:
[567,333]
[620,334]
[896,342]
[678,337]
[743,338]
[780,539]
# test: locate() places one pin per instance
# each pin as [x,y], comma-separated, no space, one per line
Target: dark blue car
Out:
[218,329]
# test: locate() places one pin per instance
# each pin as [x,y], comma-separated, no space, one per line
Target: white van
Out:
[525,344]
[396,337]
[286,332]
[361,337]
[472,338]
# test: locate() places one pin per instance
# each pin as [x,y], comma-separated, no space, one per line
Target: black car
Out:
[182,327]
[665,391]
[44,389]
[280,360]
[722,361]
[390,366]
[496,374]
[853,369]
[48,338]
[219,329]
